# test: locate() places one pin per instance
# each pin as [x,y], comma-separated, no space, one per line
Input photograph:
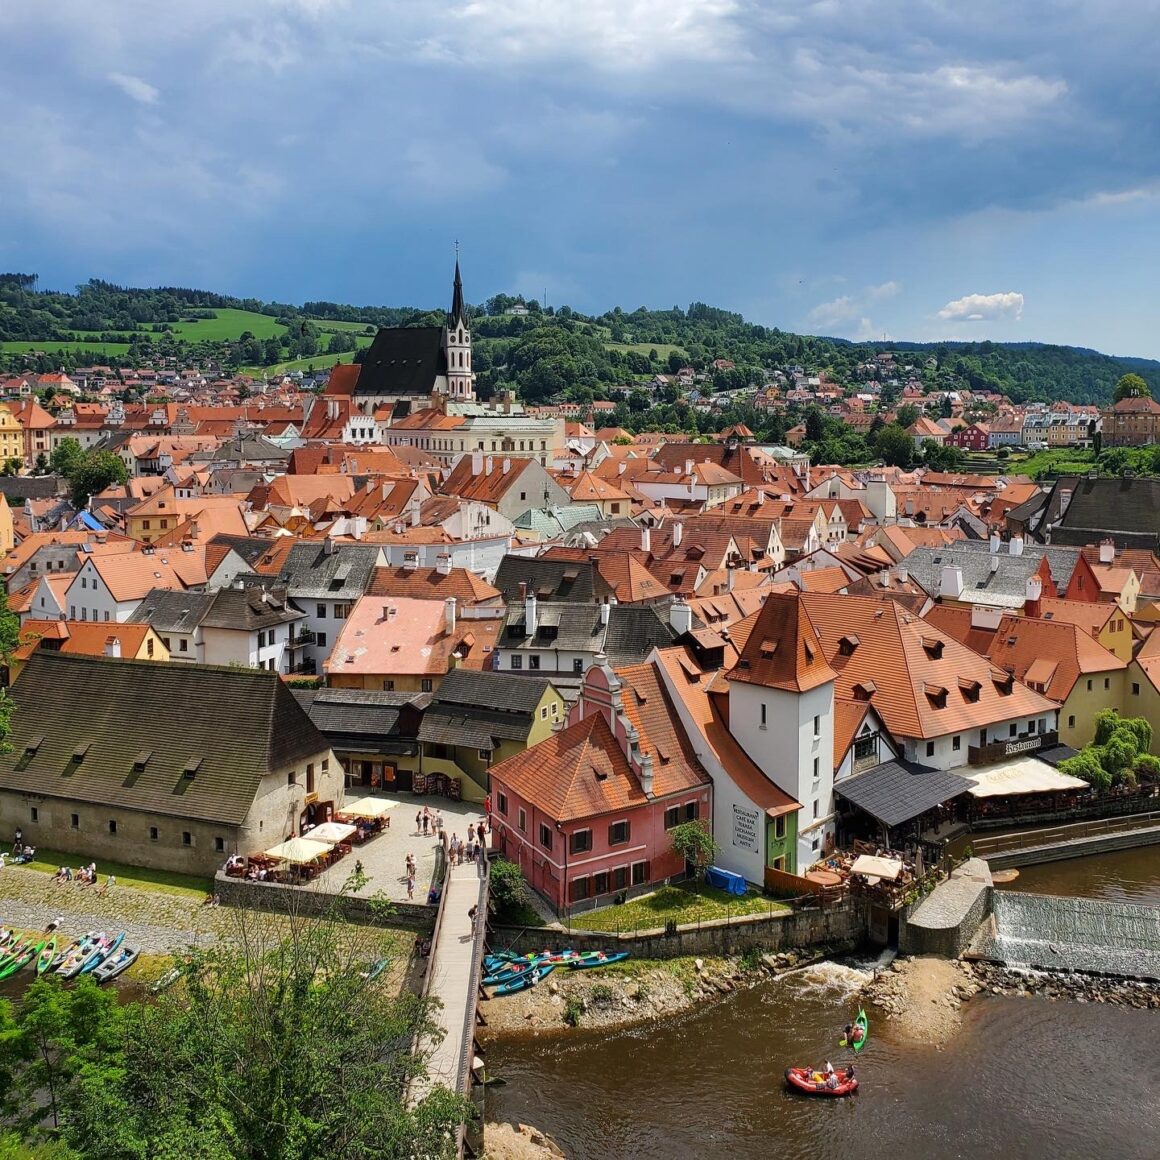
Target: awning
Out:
[889,868]
[299,850]
[1020,775]
[368,807]
[330,832]
[896,791]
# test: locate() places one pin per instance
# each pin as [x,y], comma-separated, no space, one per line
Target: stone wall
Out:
[946,920]
[274,896]
[1073,848]
[841,926]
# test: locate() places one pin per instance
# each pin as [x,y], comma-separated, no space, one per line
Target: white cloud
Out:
[839,313]
[984,307]
[135,87]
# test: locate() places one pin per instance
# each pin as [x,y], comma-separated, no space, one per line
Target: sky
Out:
[902,168]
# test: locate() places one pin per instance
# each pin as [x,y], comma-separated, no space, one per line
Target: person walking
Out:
[419,822]
[470,833]
[410,887]
[439,822]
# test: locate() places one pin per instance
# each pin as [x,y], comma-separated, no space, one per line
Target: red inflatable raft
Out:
[813,1083]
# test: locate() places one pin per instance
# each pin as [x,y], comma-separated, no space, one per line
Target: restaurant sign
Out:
[745,829]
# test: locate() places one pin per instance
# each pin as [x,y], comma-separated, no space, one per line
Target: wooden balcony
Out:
[1019,746]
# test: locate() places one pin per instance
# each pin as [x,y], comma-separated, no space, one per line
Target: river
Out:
[1024,1078]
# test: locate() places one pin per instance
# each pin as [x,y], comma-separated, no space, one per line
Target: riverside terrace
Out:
[383,857]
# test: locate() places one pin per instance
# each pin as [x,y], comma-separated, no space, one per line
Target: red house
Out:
[973,438]
[586,813]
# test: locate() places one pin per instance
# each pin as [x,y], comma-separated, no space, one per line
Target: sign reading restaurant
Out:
[745,828]
[1013,747]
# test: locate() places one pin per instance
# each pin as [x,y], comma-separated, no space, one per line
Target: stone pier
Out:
[946,920]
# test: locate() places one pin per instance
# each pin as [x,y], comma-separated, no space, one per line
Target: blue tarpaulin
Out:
[725,880]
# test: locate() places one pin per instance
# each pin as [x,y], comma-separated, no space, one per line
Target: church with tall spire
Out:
[457,346]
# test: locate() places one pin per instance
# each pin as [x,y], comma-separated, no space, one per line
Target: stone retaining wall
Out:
[841,926]
[1074,848]
[283,899]
[946,920]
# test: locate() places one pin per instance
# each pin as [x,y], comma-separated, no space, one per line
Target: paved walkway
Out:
[451,979]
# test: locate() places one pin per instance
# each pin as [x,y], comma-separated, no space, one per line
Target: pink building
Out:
[586,814]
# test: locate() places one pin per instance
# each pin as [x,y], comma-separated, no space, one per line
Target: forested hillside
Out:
[543,354]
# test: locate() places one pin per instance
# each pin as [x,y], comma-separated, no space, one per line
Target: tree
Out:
[66,457]
[508,892]
[1131,387]
[694,843]
[908,413]
[893,446]
[815,431]
[98,470]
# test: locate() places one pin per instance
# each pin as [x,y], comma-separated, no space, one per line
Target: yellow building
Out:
[131,641]
[11,437]
[7,531]
[1106,623]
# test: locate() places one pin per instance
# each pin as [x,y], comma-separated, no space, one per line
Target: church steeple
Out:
[458,313]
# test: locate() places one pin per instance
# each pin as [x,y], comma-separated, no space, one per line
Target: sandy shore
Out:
[517,1142]
[922,997]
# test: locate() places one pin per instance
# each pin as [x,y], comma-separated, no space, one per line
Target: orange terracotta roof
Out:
[848,717]
[431,584]
[783,650]
[1090,615]
[90,639]
[824,580]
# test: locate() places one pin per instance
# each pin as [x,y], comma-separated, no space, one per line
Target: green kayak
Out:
[860,1021]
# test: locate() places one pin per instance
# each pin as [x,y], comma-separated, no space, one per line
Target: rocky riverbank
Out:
[996,980]
[631,993]
[923,997]
[517,1142]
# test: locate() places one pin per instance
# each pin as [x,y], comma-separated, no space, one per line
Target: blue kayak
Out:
[524,980]
[588,962]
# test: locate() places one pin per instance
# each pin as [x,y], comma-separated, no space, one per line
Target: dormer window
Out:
[933,646]
[864,690]
[847,644]
[936,694]
[768,648]
[970,689]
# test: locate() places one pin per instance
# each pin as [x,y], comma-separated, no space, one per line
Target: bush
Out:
[573,1009]
[1086,765]
[509,891]
[1147,767]
[602,993]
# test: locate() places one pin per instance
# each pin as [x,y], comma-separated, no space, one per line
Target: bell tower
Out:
[457,340]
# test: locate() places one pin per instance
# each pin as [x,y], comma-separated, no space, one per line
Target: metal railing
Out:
[1052,835]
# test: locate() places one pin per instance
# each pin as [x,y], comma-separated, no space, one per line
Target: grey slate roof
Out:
[578,581]
[362,720]
[632,631]
[250,548]
[242,609]
[402,360]
[553,522]
[896,791]
[1127,510]
[166,611]
[242,724]
[478,709]
[313,573]
[1005,585]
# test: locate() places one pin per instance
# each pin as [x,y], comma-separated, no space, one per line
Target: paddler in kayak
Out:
[855,1033]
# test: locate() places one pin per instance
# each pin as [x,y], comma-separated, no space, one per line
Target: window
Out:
[34,814]
[501,802]
[692,810]
[72,615]
[930,749]
[153,834]
[1107,682]
[577,665]
[533,662]
[320,611]
[1089,684]
[341,611]
[618,833]
[1014,729]
[165,641]
[517,661]
[84,613]
[763,720]
[183,645]
[75,821]
[523,822]
[1071,721]
[817,727]
[262,639]
[672,817]
[555,708]
[600,883]
[1135,688]
[816,808]
[310,777]
[320,639]
[580,888]
[779,826]
[425,685]
[817,768]
[186,838]
[292,777]
[483,754]
[112,826]
[620,878]
[956,742]
[815,844]
[545,836]
[543,712]
[219,844]
[149,647]
[580,842]
[388,686]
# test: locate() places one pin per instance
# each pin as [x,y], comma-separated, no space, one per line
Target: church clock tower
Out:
[457,341]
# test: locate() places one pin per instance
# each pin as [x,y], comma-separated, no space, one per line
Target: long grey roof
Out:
[191,741]
[632,631]
[1006,583]
[247,610]
[1127,510]
[311,572]
[357,718]
[472,688]
[896,791]
[573,580]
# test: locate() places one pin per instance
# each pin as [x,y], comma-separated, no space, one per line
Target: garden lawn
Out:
[140,878]
[687,903]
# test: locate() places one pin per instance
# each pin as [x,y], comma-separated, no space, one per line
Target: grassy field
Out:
[317,361]
[1063,460]
[187,885]
[228,324]
[52,346]
[687,903]
[663,349]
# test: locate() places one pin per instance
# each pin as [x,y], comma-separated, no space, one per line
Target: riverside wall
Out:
[840,927]
[1073,848]
[945,922]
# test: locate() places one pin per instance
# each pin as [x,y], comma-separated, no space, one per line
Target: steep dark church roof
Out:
[458,313]
[402,360]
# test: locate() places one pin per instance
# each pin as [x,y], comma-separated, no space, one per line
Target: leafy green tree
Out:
[508,892]
[98,470]
[694,842]
[66,457]
[815,430]
[1131,386]
[908,413]
[894,447]
[1087,766]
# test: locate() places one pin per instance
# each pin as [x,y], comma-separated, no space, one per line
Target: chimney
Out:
[995,542]
[994,564]
[1016,546]
[443,564]
[449,615]
[689,465]
[112,647]
[678,534]
[728,579]
[760,497]
[605,611]
[646,774]
[531,616]
[680,617]
[645,540]
[1031,606]
[621,467]
[490,464]
[903,574]
[476,462]
[523,590]
[951,582]
[415,511]
[1107,551]
[506,466]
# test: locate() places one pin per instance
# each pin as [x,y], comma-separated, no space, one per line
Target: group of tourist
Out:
[428,822]
[85,876]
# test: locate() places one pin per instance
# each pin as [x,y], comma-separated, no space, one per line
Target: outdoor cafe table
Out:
[368,807]
[330,832]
